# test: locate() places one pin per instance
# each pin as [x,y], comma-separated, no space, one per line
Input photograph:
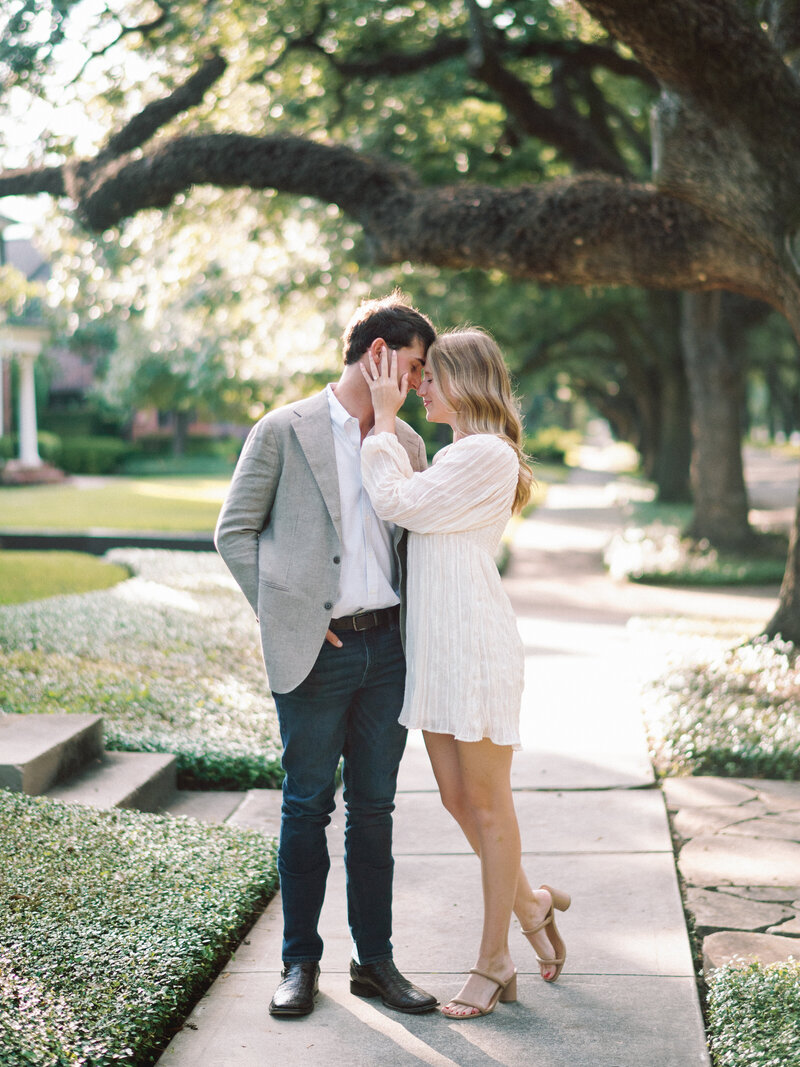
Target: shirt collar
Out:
[339,414]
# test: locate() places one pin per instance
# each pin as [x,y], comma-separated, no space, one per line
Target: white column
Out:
[28,443]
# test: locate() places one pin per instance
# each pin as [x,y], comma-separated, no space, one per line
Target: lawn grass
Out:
[112,923]
[170,504]
[35,575]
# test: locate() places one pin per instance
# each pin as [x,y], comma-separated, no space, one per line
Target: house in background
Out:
[22,339]
[72,375]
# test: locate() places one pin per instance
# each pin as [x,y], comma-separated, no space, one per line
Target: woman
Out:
[465,657]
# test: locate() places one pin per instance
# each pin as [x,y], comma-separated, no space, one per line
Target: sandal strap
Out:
[540,926]
[499,982]
[466,1003]
[490,978]
[551,963]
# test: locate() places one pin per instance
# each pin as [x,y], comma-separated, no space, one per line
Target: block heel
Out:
[560,901]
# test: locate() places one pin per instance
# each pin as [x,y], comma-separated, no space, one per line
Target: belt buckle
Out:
[365,615]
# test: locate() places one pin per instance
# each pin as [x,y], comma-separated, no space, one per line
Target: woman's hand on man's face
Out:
[387,393]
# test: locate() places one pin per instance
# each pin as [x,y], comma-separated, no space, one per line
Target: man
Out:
[322,573]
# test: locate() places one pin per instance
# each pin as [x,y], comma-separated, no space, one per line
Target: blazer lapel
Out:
[312,427]
[409,440]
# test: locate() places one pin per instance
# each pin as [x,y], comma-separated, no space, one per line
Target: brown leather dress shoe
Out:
[295,995]
[382,979]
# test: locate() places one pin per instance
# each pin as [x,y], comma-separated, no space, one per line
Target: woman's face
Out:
[437,408]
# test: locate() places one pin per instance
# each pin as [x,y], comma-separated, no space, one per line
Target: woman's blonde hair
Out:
[472,376]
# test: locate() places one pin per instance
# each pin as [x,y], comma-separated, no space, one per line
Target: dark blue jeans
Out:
[347,706]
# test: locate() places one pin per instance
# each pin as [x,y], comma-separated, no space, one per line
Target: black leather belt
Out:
[366,620]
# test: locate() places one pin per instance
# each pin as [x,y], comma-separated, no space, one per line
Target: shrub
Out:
[92,455]
[656,553]
[734,713]
[551,444]
[754,1015]
[201,466]
[227,448]
[154,444]
[112,923]
[49,445]
[161,444]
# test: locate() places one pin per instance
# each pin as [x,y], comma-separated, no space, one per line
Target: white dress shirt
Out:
[368,573]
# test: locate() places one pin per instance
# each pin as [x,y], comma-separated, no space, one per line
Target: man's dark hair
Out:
[391,318]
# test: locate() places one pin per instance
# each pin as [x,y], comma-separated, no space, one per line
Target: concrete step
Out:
[141,780]
[205,805]
[37,751]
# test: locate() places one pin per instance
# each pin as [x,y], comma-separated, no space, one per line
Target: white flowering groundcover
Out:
[112,924]
[169,658]
[722,710]
[658,553]
[754,1010]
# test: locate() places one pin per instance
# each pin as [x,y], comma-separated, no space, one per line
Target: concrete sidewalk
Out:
[592,822]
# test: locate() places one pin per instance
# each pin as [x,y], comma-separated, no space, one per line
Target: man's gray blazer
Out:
[280,531]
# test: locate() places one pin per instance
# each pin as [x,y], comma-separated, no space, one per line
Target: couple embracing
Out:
[332,509]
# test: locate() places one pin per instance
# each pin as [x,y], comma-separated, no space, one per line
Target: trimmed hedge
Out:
[754,1015]
[74,454]
[92,455]
[112,923]
[49,445]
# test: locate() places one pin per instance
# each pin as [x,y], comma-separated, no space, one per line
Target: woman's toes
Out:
[459,1011]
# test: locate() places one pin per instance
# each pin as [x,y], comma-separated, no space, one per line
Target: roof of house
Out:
[24,255]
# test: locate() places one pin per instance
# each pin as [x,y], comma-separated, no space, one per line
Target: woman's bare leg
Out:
[484,770]
[530,906]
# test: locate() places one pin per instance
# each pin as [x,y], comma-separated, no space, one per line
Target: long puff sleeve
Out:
[469,483]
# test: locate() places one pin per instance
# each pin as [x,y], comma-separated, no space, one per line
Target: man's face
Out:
[411,361]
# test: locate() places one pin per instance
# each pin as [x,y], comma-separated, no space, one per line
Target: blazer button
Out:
[328,605]
[337,559]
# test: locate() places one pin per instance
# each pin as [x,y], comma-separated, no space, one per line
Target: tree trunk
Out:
[181,423]
[671,471]
[785,622]
[715,388]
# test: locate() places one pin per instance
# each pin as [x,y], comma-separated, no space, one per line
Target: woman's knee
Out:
[488,806]
[454,801]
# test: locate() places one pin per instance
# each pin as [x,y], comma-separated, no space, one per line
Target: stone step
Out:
[37,751]
[141,780]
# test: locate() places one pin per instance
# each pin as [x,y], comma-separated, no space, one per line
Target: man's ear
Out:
[375,349]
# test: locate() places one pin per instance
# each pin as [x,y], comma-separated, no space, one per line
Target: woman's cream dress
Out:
[464,653]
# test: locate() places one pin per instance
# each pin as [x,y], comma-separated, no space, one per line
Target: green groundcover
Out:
[754,1014]
[112,923]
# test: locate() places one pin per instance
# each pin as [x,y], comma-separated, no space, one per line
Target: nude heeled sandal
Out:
[505,992]
[561,901]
